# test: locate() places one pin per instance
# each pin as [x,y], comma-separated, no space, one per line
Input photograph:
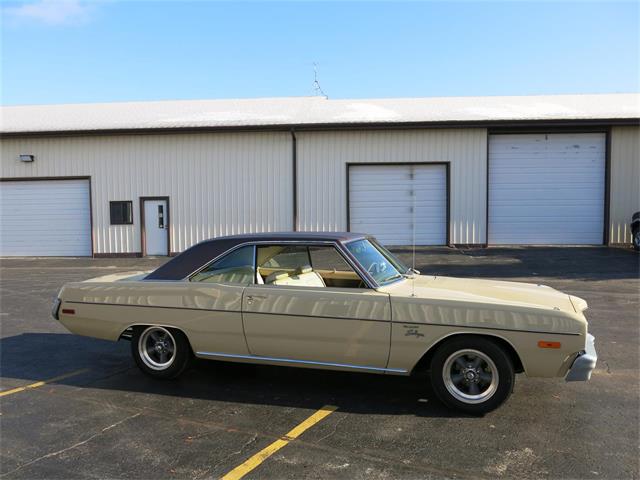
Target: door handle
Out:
[251,298]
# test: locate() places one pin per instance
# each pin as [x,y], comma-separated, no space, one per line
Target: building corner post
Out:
[294,174]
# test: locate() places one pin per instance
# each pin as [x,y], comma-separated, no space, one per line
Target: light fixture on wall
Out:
[27,158]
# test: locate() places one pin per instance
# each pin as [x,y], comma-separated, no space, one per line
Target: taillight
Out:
[545,344]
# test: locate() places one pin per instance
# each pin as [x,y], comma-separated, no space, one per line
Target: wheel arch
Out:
[127,333]
[425,360]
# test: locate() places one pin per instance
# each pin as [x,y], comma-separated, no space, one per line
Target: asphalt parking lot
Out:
[100,417]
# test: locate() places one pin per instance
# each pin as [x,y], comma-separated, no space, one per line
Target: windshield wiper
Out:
[391,278]
[411,271]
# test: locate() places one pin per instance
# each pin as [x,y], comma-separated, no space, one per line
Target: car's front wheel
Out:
[160,352]
[636,239]
[474,375]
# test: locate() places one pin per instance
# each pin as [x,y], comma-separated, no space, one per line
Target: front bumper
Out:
[584,363]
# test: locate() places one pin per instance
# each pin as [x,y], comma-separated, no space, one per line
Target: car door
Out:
[301,320]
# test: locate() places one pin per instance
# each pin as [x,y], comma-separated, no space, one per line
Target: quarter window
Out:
[234,268]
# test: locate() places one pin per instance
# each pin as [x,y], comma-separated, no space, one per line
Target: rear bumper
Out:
[584,363]
[55,309]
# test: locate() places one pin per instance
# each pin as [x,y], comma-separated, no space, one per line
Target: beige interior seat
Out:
[304,277]
[275,277]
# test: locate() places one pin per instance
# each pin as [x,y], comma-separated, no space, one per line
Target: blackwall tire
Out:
[160,352]
[636,239]
[472,375]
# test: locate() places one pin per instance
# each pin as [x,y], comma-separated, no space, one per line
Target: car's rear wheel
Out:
[160,352]
[636,239]
[474,375]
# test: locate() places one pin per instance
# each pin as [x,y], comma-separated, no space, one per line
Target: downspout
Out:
[294,170]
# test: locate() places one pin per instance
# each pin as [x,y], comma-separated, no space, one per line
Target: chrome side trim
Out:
[304,362]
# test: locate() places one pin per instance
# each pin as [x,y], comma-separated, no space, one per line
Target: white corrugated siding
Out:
[322,173]
[625,181]
[399,204]
[218,183]
[546,188]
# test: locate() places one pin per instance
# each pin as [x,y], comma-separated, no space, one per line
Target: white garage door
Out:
[382,203]
[45,218]
[546,189]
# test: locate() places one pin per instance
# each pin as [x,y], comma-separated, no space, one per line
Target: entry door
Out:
[156,218]
[345,326]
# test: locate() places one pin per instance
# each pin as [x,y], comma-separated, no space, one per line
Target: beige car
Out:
[337,301]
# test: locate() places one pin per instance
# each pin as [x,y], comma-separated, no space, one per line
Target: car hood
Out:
[494,292]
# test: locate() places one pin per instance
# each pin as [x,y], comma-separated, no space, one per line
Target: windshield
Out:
[383,268]
[395,261]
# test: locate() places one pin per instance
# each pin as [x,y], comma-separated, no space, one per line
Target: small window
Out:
[121,212]
[235,268]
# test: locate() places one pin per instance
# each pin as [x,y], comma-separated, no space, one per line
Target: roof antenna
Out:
[317,89]
[413,239]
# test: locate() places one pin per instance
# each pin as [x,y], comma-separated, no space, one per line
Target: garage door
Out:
[546,189]
[45,218]
[382,203]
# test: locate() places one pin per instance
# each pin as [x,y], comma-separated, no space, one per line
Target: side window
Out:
[234,268]
[284,257]
[328,258]
[305,266]
[333,268]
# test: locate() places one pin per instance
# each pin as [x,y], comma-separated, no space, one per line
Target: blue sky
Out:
[102,51]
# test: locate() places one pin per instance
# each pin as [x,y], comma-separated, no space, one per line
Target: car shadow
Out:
[33,357]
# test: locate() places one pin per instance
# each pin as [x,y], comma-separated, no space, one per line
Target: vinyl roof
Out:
[201,253]
[292,236]
[313,111]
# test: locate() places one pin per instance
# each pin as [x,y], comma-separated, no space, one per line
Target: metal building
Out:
[153,178]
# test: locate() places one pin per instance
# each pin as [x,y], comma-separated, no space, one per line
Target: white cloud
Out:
[50,12]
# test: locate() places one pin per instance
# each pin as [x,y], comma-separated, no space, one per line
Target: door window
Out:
[235,268]
[305,266]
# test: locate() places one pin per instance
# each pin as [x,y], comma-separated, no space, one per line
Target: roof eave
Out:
[510,123]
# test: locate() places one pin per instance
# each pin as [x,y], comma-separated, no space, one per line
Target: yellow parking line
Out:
[241,470]
[43,382]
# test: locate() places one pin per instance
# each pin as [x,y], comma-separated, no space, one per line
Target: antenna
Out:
[316,84]
[413,239]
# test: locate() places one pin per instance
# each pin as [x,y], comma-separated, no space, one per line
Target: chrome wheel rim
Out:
[470,376]
[157,348]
